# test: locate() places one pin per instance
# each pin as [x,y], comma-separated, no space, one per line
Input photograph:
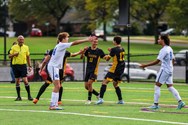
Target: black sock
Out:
[18,90]
[27,87]
[95,92]
[118,92]
[60,93]
[102,91]
[42,89]
[89,95]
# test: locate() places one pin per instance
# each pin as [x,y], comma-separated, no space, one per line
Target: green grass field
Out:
[138,96]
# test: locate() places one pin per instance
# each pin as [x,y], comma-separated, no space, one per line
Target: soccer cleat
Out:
[88,102]
[35,101]
[100,101]
[30,98]
[120,102]
[154,107]
[55,108]
[18,99]
[181,105]
[59,102]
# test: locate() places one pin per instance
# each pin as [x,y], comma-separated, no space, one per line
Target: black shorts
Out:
[91,76]
[114,76]
[20,70]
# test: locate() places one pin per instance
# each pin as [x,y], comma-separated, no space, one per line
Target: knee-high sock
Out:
[89,95]
[157,94]
[175,93]
[42,89]
[118,92]
[60,93]
[102,91]
[95,92]
[27,87]
[54,99]
[18,90]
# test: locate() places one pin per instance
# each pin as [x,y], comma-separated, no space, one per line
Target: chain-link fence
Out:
[79,66]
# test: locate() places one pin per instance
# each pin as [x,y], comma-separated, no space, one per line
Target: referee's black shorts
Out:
[20,70]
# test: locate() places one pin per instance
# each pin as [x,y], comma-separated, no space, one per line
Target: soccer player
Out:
[115,72]
[165,74]
[93,54]
[48,81]
[20,56]
[11,70]
[56,63]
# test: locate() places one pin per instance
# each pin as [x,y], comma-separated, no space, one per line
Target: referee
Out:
[20,56]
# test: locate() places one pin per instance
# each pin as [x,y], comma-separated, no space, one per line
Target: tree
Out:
[149,10]
[101,12]
[178,12]
[40,10]
[3,12]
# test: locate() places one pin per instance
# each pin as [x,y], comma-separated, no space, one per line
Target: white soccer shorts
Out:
[163,77]
[53,72]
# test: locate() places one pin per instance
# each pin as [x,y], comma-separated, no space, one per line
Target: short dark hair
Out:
[166,39]
[117,39]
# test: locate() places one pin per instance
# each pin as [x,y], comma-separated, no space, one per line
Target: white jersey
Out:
[58,55]
[166,57]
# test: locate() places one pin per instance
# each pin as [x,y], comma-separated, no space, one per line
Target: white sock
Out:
[175,93]
[157,94]
[54,99]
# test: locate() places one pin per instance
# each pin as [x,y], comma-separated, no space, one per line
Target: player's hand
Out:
[142,66]
[16,54]
[30,69]
[109,49]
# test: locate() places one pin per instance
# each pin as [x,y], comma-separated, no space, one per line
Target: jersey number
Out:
[90,59]
[121,58]
[54,51]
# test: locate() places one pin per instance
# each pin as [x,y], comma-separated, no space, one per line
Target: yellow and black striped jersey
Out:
[118,54]
[93,58]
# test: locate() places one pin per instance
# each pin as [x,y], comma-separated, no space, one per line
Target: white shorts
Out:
[163,77]
[53,72]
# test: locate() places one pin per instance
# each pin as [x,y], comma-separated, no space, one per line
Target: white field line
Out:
[98,116]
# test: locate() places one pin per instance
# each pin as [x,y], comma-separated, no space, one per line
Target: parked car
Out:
[99,33]
[180,57]
[135,72]
[168,31]
[36,32]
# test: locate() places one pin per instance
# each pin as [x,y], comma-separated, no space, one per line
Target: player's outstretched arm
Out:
[44,62]
[150,64]
[77,53]
[89,39]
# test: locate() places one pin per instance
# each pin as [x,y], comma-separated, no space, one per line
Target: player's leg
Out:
[102,91]
[17,80]
[118,92]
[18,89]
[54,74]
[60,94]
[23,73]
[61,75]
[161,78]
[90,90]
[41,91]
[175,93]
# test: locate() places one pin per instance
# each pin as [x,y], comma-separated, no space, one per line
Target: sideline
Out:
[98,116]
